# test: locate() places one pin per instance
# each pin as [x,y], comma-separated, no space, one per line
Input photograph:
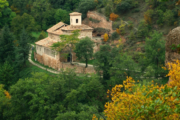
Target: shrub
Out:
[148,16]
[132,36]
[168,17]
[124,6]
[122,27]
[115,25]
[114,35]
[136,10]
[106,37]
[113,16]
[143,29]
[94,20]
[118,31]
[159,17]
[101,30]
[130,24]
[108,11]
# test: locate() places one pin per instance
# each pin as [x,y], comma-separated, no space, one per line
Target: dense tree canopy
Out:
[6,45]
[3,4]
[26,21]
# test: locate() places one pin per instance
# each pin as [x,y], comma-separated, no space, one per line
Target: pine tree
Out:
[6,75]
[6,45]
[22,50]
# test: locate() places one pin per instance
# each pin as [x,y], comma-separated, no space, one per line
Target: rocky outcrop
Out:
[172,38]
[103,23]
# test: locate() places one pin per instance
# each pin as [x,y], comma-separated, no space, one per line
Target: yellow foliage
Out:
[178,2]
[96,1]
[106,37]
[122,27]
[14,9]
[117,1]
[174,73]
[7,94]
[120,42]
[113,16]
[178,13]
[175,23]
[141,102]
[147,18]
[118,31]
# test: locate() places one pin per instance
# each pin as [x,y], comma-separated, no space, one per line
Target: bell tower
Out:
[75,18]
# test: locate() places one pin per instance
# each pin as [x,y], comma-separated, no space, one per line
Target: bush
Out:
[148,16]
[159,17]
[143,29]
[94,20]
[168,17]
[122,27]
[130,24]
[132,36]
[108,11]
[113,16]
[114,35]
[101,30]
[125,6]
[135,10]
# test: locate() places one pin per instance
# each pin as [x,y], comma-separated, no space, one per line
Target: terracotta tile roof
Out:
[53,28]
[75,13]
[47,42]
[58,32]
[74,27]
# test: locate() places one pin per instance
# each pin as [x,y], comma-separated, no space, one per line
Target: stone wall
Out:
[47,60]
[56,64]
[103,22]
[85,33]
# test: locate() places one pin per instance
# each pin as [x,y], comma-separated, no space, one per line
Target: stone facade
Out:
[54,63]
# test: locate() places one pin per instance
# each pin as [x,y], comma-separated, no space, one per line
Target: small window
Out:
[76,20]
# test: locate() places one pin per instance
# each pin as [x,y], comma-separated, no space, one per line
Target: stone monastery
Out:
[48,57]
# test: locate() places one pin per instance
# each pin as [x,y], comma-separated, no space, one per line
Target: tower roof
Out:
[75,13]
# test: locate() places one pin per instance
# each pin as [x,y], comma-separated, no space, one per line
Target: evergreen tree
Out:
[22,49]
[6,45]
[6,75]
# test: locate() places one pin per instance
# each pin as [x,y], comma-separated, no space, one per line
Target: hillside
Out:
[127,76]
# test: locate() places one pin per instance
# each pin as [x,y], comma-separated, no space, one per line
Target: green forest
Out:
[113,93]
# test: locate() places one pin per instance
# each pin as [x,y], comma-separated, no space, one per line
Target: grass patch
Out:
[26,72]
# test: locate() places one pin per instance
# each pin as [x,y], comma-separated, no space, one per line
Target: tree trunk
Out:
[71,55]
[86,63]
